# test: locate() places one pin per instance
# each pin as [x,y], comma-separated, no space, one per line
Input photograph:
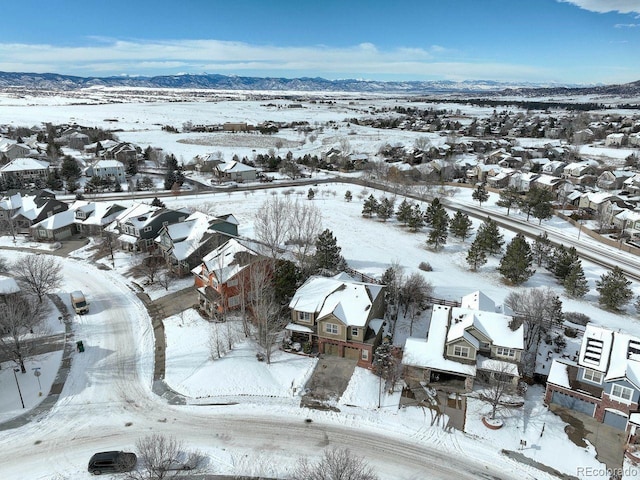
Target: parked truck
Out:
[79,303]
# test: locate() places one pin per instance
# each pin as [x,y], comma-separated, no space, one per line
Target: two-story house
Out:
[18,214]
[112,170]
[604,383]
[137,227]
[224,277]
[473,340]
[339,316]
[236,171]
[25,170]
[92,218]
[184,244]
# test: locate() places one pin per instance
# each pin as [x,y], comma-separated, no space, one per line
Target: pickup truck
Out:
[79,303]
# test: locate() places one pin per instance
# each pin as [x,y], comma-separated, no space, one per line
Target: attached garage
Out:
[615,419]
[574,403]
[352,353]
[331,349]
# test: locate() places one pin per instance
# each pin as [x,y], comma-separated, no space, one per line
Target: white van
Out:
[79,303]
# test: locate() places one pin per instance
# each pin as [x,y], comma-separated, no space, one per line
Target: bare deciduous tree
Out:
[38,274]
[264,308]
[164,457]
[272,223]
[497,384]
[20,318]
[335,464]
[414,293]
[150,268]
[305,226]
[537,309]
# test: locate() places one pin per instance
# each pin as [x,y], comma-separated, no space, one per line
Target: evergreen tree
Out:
[541,249]
[174,174]
[460,225]
[370,206]
[404,212]
[508,198]
[311,194]
[416,219]
[327,257]
[117,187]
[476,256]
[385,209]
[132,167]
[516,263]
[575,283]
[433,210]
[347,196]
[537,201]
[286,279]
[156,202]
[489,237]
[69,169]
[562,261]
[614,289]
[439,229]
[480,194]
[54,182]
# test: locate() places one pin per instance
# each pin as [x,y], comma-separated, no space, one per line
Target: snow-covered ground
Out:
[202,367]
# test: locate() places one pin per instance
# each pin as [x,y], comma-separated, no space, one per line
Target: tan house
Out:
[338,316]
[464,343]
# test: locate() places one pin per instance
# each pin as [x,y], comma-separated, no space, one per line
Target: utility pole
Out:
[15,370]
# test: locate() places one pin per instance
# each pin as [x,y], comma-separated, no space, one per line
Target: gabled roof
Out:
[494,326]
[348,300]
[187,236]
[8,285]
[20,164]
[229,259]
[58,220]
[233,166]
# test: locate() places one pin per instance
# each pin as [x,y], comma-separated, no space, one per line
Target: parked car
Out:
[112,462]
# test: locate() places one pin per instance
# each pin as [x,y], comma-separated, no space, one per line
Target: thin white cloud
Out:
[627,25]
[605,6]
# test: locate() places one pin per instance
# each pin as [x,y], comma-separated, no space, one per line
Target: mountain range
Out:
[54,81]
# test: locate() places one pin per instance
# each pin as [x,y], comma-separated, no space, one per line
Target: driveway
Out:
[328,382]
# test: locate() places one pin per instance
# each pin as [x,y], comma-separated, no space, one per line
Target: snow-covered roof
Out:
[348,300]
[222,261]
[58,220]
[108,164]
[596,348]
[8,285]
[429,353]
[495,365]
[294,327]
[188,236]
[478,301]
[233,166]
[494,326]
[20,164]
[559,373]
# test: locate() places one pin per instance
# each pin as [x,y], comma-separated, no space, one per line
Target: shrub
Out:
[425,267]
[577,318]
[306,347]
[570,332]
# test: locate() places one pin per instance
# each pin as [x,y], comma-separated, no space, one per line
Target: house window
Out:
[331,328]
[461,351]
[232,283]
[234,301]
[147,229]
[505,352]
[304,317]
[592,375]
[365,354]
[354,332]
[622,393]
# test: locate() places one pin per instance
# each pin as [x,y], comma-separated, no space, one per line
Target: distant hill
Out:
[54,81]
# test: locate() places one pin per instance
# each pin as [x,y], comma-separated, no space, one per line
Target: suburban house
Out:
[123,152]
[136,228]
[581,173]
[18,213]
[92,218]
[614,140]
[604,383]
[338,316]
[523,181]
[57,227]
[224,277]
[107,169]
[236,171]
[474,340]
[594,202]
[25,170]
[183,244]
[613,179]
[10,150]
[77,140]
[8,286]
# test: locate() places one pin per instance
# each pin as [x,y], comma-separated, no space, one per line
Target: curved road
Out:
[107,403]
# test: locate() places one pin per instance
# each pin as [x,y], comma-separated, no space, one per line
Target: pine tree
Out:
[327,257]
[416,219]
[132,167]
[508,198]
[347,196]
[460,225]
[385,209]
[575,283]
[174,174]
[439,229]
[480,194]
[489,237]
[404,212]
[614,289]
[516,263]
[434,209]
[476,256]
[541,249]
[156,202]
[562,261]
[311,194]
[370,206]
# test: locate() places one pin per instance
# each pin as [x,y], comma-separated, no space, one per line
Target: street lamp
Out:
[16,370]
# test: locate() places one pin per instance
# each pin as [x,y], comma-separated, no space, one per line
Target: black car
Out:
[109,462]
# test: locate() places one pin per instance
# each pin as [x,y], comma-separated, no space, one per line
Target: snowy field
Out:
[206,374]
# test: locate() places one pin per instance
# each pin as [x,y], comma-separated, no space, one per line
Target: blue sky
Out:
[565,41]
